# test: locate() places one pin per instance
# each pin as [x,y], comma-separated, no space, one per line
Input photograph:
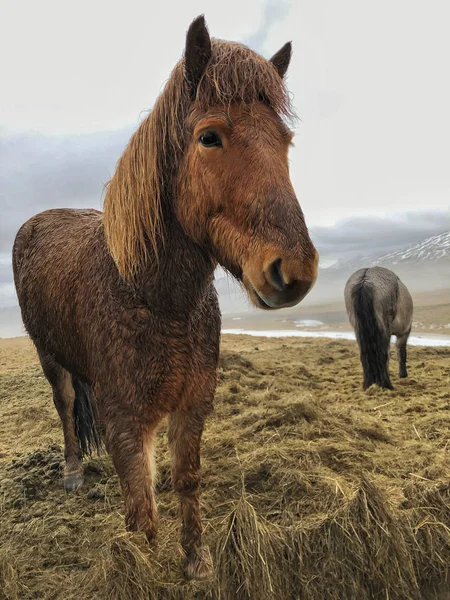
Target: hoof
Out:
[73,481]
[198,564]
[403,375]
[151,539]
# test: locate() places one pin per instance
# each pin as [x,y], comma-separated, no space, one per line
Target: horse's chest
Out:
[187,373]
[177,370]
[169,366]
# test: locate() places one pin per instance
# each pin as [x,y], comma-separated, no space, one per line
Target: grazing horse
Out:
[379,305]
[121,305]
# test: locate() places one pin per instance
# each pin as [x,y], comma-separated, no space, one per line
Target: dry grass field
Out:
[312,489]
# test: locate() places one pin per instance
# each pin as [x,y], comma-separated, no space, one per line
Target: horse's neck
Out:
[179,281]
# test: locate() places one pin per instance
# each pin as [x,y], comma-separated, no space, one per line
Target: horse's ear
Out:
[197,52]
[282,58]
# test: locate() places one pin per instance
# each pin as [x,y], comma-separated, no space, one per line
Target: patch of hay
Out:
[312,489]
[361,548]
[247,557]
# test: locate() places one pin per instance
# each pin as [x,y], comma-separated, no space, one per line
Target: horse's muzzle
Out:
[282,283]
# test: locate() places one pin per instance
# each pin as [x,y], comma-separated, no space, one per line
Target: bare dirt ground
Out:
[312,488]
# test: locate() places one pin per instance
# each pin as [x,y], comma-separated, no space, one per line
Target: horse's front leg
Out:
[185,430]
[131,446]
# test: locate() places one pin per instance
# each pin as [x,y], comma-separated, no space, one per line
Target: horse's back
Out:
[391,299]
[48,251]
[382,281]
[52,242]
[52,228]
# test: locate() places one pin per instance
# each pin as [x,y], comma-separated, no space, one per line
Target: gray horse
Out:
[379,305]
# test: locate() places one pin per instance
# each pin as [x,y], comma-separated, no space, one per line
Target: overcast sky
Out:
[370,84]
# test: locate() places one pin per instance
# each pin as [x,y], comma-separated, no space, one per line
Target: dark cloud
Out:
[39,172]
[367,236]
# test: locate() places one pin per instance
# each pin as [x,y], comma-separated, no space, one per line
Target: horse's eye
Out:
[210,139]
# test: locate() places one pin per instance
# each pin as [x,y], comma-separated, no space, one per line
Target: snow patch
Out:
[443,340]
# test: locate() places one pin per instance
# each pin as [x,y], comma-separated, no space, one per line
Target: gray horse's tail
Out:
[373,339]
[85,414]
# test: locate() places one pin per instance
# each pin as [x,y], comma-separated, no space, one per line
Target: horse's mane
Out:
[146,170]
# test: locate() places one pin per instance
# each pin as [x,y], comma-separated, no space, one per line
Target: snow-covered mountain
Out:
[431,249]
[435,248]
[352,262]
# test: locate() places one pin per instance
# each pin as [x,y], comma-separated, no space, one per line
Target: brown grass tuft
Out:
[247,550]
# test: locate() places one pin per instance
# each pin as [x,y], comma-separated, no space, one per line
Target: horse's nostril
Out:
[275,275]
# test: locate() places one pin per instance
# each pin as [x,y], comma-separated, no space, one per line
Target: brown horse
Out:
[121,304]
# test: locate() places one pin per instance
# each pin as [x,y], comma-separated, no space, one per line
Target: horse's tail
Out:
[373,338]
[86,418]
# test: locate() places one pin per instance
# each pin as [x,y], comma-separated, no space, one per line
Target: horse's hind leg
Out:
[64,398]
[401,353]
[185,430]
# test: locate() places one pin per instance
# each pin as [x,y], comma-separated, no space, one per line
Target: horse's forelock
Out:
[236,74]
